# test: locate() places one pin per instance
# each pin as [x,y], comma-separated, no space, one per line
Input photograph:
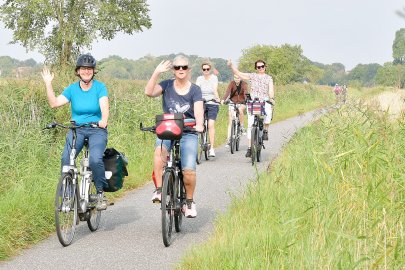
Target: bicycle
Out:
[173,190]
[75,201]
[204,144]
[256,108]
[236,128]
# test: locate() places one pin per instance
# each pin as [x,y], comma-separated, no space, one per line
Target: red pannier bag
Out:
[169,126]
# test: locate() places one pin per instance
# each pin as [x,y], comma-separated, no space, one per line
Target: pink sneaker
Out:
[190,210]
[157,197]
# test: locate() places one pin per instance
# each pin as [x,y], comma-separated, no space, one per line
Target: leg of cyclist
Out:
[251,119]
[242,116]
[188,150]
[267,120]
[212,116]
[98,139]
[159,161]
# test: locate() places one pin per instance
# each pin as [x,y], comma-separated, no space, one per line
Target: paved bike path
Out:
[130,237]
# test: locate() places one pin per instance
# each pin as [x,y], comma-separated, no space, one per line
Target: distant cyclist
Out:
[337,90]
[179,95]
[261,87]
[209,88]
[236,93]
[89,103]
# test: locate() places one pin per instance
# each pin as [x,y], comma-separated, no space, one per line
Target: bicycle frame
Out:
[236,132]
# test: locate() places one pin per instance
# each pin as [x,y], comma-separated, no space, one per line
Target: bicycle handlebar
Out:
[211,100]
[72,125]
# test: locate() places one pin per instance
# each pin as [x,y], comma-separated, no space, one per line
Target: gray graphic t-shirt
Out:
[175,103]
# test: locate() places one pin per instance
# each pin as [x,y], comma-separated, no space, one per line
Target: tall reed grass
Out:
[334,199]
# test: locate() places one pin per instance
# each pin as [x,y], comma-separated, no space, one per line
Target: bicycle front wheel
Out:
[232,139]
[259,144]
[168,207]
[206,140]
[238,135]
[181,199]
[66,209]
[254,144]
[94,215]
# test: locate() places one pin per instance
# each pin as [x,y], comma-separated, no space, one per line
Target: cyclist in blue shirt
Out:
[89,104]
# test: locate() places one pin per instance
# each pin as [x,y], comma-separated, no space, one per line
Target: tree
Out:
[286,63]
[60,29]
[365,74]
[398,47]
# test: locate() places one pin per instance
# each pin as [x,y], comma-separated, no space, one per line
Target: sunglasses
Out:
[180,67]
[260,67]
[206,69]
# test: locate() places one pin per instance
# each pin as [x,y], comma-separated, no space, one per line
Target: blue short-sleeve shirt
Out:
[175,103]
[85,104]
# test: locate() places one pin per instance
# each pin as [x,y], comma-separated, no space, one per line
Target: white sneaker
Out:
[212,153]
[190,210]
[157,196]
[227,144]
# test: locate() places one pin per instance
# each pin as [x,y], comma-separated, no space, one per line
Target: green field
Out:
[31,156]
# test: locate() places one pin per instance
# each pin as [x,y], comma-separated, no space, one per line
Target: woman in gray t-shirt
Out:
[209,88]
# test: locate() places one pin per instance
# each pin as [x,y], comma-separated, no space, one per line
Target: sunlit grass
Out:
[333,200]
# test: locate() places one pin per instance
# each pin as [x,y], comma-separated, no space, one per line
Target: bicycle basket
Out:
[169,126]
[256,107]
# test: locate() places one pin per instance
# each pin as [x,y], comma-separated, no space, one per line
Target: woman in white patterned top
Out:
[261,87]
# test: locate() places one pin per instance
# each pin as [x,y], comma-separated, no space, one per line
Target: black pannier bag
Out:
[115,164]
[169,126]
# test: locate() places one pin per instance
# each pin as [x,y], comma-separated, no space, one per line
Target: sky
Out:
[350,32]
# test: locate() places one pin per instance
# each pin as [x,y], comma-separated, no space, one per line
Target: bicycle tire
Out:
[259,146]
[206,140]
[167,207]
[200,148]
[181,198]
[94,215]
[238,135]
[232,139]
[66,209]
[253,147]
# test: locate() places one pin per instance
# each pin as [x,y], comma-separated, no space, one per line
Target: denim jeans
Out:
[97,144]
[188,150]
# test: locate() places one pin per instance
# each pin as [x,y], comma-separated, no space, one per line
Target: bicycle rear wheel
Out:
[181,198]
[94,215]
[167,207]
[66,209]
[200,147]
[232,139]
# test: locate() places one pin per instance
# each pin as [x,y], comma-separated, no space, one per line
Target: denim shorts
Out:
[188,150]
[212,111]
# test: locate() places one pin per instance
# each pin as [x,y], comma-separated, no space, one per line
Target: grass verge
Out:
[334,199]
